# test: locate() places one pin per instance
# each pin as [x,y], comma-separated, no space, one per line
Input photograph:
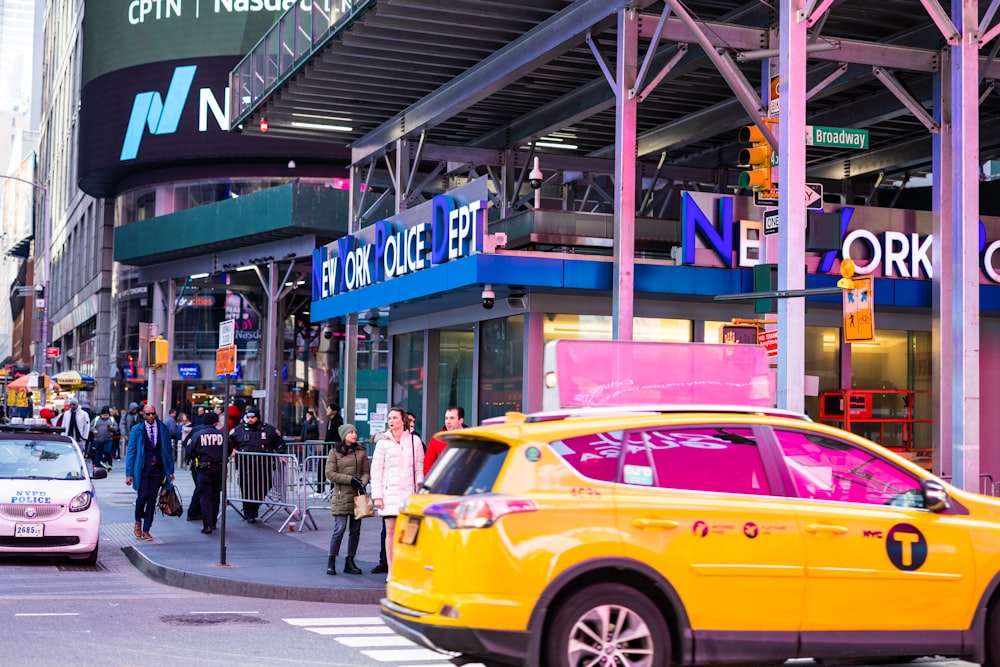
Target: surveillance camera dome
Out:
[489,298]
[328,332]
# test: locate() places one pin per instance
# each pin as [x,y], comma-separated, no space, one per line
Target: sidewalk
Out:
[260,561]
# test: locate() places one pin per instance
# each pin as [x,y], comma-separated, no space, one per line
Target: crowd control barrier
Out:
[272,480]
[291,485]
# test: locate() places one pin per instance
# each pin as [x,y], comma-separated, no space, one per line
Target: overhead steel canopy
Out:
[499,75]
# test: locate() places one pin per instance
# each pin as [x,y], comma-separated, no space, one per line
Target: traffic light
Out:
[757,156]
[159,349]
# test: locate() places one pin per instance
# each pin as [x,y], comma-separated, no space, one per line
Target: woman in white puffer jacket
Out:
[396,472]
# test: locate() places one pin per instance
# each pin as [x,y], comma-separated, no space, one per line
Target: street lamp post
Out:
[41,284]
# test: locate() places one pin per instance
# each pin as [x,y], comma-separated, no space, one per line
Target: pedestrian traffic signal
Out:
[159,349]
[757,156]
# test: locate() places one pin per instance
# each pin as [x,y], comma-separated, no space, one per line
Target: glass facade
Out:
[408,373]
[455,359]
[501,366]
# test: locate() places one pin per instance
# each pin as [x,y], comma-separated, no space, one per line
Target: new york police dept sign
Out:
[438,231]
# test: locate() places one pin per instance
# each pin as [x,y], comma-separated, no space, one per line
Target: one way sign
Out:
[814,196]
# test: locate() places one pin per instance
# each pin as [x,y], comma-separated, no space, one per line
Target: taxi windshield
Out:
[38,459]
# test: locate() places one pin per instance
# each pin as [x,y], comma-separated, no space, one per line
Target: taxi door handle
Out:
[825,528]
[655,523]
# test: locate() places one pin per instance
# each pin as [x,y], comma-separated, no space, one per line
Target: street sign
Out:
[836,137]
[227,333]
[859,311]
[769,339]
[225,360]
[814,197]
[52,352]
[770,222]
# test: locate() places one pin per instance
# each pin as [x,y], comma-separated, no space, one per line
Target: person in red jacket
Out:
[454,419]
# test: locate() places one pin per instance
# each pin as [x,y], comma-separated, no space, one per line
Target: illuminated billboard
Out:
[155,98]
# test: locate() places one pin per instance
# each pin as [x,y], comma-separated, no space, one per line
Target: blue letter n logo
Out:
[161,117]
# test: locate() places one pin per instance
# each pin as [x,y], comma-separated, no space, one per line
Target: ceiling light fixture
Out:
[319,126]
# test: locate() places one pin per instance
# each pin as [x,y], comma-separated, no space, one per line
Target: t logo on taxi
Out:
[906,547]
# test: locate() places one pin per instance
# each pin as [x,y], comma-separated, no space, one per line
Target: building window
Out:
[501,366]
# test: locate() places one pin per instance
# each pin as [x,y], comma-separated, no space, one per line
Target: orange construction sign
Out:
[225,360]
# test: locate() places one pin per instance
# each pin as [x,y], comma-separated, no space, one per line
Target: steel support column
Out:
[943,281]
[623,296]
[964,402]
[269,372]
[791,205]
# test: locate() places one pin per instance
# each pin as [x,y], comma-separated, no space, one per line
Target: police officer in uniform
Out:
[207,450]
[256,473]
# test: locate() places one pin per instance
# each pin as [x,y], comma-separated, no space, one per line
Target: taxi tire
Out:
[993,635]
[586,600]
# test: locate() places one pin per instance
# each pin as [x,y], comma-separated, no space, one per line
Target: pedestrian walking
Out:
[75,424]
[454,419]
[310,427]
[348,468]
[256,473]
[207,452]
[397,470]
[128,422]
[173,429]
[149,463]
[103,430]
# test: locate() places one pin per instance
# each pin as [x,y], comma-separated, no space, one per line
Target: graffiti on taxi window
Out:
[33,497]
[906,547]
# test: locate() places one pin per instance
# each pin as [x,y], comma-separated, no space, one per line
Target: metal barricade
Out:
[316,496]
[273,481]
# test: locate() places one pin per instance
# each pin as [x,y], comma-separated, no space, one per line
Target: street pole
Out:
[41,285]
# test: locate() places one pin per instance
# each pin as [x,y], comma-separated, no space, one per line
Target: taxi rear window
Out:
[466,467]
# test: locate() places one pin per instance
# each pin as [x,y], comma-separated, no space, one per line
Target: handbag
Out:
[364,506]
[170,501]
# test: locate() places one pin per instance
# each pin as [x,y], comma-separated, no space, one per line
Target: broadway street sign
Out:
[836,137]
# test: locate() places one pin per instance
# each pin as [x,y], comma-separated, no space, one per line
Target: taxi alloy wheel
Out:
[608,625]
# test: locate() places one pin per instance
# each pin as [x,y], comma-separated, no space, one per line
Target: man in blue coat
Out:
[149,462]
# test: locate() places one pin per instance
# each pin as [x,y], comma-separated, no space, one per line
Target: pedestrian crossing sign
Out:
[859,311]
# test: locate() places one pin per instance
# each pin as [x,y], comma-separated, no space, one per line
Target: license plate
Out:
[29,530]
[409,535]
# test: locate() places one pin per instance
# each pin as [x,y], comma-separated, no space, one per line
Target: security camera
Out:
[327,332]
[489,297]
[535,177]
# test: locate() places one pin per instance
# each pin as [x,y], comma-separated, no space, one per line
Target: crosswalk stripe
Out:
[393,655]
[370,632]
[359,620]
[364,630]
[374,642]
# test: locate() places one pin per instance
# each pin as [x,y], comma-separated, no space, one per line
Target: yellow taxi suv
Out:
[646,537]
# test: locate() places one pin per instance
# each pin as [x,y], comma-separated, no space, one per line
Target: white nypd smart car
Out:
[47,504]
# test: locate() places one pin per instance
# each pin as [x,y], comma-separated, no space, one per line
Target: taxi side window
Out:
[824,468]
[594,455]
[723,459]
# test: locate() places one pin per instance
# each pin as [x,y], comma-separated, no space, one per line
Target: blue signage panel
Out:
[189,371]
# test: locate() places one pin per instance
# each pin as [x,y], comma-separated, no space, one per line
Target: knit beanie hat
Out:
[345,429]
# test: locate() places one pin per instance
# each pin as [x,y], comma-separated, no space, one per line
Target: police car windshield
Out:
[33,459]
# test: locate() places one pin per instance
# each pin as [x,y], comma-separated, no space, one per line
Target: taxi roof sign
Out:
[579,373]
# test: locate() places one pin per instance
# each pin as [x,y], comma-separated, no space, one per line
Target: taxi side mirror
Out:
[99,473]
[935,495]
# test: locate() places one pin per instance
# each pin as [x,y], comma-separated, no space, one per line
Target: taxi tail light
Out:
[478,511]
[81,501]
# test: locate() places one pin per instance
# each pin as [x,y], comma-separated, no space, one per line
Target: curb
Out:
[221,586]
